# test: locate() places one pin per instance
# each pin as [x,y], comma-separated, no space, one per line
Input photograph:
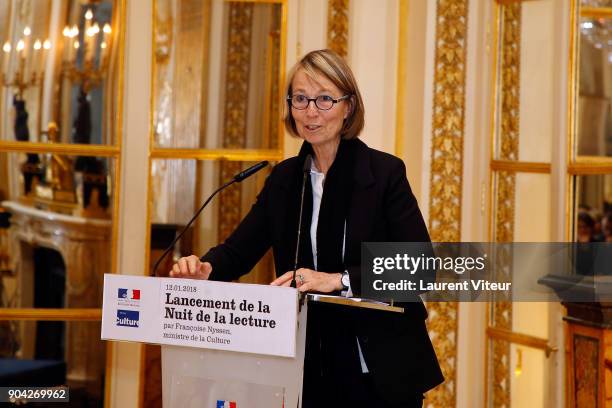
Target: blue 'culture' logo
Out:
[128,318]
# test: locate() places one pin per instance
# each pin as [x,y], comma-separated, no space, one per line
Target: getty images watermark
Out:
[404,272]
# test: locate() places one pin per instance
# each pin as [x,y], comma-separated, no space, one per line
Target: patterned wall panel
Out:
[445,181]
[338,26]
[274,67]
[508,140]
[180,44]
[235,109]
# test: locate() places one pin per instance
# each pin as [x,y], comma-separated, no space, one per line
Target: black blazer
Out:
[398,351]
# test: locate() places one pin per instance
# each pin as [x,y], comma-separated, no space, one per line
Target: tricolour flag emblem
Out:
[130,294]
[226,404]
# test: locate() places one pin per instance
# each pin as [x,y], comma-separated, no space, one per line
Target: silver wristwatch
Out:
[345,280]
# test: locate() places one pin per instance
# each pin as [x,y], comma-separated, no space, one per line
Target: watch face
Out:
[345,279]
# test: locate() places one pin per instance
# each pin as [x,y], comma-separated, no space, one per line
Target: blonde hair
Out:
[333,67]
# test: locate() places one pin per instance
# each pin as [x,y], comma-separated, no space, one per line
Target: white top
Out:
[317,179]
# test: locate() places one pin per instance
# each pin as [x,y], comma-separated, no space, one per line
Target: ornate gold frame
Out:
[493,143]
[520,167]
[51,314]
[337,26]
[572,85]
[579,165]
[217,154]
[506,161]
[596,12]
[60,148]
[448,127]
[575,165]
[212,154]
[401,79]
[583,166]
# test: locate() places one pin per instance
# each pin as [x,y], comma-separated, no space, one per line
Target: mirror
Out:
[218,74]
[594,131]
[593,192]
[61,69]
[86,74]
[525,81]
[593,208]
[60,64]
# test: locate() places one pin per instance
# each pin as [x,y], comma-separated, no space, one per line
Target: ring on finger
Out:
[301,278]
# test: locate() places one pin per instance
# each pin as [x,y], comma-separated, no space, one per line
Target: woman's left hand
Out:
[308,280]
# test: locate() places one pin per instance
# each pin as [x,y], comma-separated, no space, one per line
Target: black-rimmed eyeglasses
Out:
[322,102]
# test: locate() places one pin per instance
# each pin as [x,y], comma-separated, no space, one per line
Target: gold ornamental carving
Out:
[235,109]
[445,180]
[230,200]
[237,75]
[274,68]
[338,26]
[448,121]
[501,317]
[509,119]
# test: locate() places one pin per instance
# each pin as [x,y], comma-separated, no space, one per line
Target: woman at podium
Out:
[355,194]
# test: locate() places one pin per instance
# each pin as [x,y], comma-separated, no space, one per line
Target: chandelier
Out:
[598,32]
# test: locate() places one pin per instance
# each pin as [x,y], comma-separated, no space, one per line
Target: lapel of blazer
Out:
[363,205]
[286,210]
[362,208]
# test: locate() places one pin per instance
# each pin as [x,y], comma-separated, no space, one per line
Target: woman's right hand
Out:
[190,267]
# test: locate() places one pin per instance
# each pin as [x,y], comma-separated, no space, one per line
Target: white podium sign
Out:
[246,318]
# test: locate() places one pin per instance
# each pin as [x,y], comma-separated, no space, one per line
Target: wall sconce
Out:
[31,57]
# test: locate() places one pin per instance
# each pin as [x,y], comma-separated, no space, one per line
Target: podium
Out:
[230,368]
[212,378]
[203,377]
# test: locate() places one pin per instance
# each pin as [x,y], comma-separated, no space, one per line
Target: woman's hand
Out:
[309,280]
[190,267]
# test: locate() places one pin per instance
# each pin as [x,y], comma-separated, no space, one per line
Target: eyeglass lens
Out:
[323,102]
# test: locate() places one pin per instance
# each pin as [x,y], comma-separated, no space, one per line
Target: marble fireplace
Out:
[84,245]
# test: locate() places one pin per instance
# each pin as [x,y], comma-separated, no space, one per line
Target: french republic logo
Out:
[128,318]
[226,404]
[128,297]
[128,294]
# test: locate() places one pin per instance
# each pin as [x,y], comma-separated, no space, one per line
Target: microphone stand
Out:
[171,246]
[237,179]
[307,165]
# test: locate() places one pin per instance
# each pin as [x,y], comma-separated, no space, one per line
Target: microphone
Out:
[250,171]
[236,179]
[306,170]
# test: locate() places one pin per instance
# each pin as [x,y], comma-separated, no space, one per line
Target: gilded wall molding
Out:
[338,26]
[274,68]
[508,139]
[238,62]
[445,179]
[508,142]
